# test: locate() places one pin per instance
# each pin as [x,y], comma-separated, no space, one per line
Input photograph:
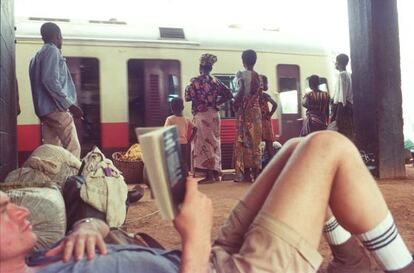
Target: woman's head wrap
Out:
[208,59]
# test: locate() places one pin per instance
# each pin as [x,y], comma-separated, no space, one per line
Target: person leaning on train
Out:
[265,232]
[54,93]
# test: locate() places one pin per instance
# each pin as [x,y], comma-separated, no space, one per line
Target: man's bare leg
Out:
[325,166]
[232,232]
[326,169]
[258,192]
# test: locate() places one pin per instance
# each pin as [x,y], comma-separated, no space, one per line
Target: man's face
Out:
[16,236]
[336,65]
[59,40]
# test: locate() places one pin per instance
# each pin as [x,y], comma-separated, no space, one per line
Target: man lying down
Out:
[332,191]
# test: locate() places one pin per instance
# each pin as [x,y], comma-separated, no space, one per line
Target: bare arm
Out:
[240,92]
[194,223]
[193,133]
[167,122]
[305,101]
[195,257]
[274,105]
[189,91]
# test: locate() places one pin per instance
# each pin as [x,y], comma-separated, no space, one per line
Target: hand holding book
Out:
[177,196]
[165,167]
[195,219]
[194,223]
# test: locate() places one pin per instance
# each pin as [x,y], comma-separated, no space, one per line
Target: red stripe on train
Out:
[114,135]
[28,137]
[228,130]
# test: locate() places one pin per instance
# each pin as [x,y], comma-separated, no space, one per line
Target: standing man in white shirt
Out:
[342,109]
[54,93]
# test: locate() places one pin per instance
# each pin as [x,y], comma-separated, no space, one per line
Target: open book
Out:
[161,153]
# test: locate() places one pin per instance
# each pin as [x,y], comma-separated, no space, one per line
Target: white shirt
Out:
[343,89]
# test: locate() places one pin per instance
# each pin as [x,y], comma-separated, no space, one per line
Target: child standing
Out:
[186,129]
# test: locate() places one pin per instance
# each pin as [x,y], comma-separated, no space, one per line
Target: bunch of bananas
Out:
[133,154]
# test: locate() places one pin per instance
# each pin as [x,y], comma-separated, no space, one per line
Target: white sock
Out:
[334,233]
[386,244]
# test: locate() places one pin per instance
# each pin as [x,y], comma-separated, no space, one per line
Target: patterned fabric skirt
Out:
[314,122]
[206,150]
[247,153]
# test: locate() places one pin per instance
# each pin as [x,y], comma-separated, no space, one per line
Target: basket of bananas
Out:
[130,163]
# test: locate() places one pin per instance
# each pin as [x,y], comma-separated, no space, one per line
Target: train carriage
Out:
[125,75]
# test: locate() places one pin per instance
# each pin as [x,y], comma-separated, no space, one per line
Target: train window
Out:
[323,84]
[85,74]
[173,87]
[289,100]
[226,110]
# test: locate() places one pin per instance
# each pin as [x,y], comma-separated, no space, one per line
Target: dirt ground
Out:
[143,216]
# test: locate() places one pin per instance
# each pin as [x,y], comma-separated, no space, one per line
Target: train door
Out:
[228,123]
[290,98]
[85,75]
[151,85]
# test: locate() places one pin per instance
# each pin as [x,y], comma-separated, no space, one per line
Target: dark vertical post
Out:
[376,76]
[8,95]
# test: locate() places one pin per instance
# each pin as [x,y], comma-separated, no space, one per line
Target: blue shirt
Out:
[52,85]
[120,259]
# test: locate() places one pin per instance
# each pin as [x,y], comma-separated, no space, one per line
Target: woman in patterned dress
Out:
[206,93]
[247,153]
[317,104]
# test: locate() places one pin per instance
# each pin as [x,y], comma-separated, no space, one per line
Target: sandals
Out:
[206,180]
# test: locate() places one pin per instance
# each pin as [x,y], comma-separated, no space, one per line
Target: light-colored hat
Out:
[208,59]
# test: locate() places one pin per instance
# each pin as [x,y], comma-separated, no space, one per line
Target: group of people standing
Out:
[318,103]
[253,116]
[54,99]
[253,123]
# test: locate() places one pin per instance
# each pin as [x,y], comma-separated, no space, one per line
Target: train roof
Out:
[232,37]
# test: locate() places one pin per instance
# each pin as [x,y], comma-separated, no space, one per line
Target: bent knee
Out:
[329,140]
[293,141]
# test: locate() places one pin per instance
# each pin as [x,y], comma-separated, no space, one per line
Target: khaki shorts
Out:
[268,246]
